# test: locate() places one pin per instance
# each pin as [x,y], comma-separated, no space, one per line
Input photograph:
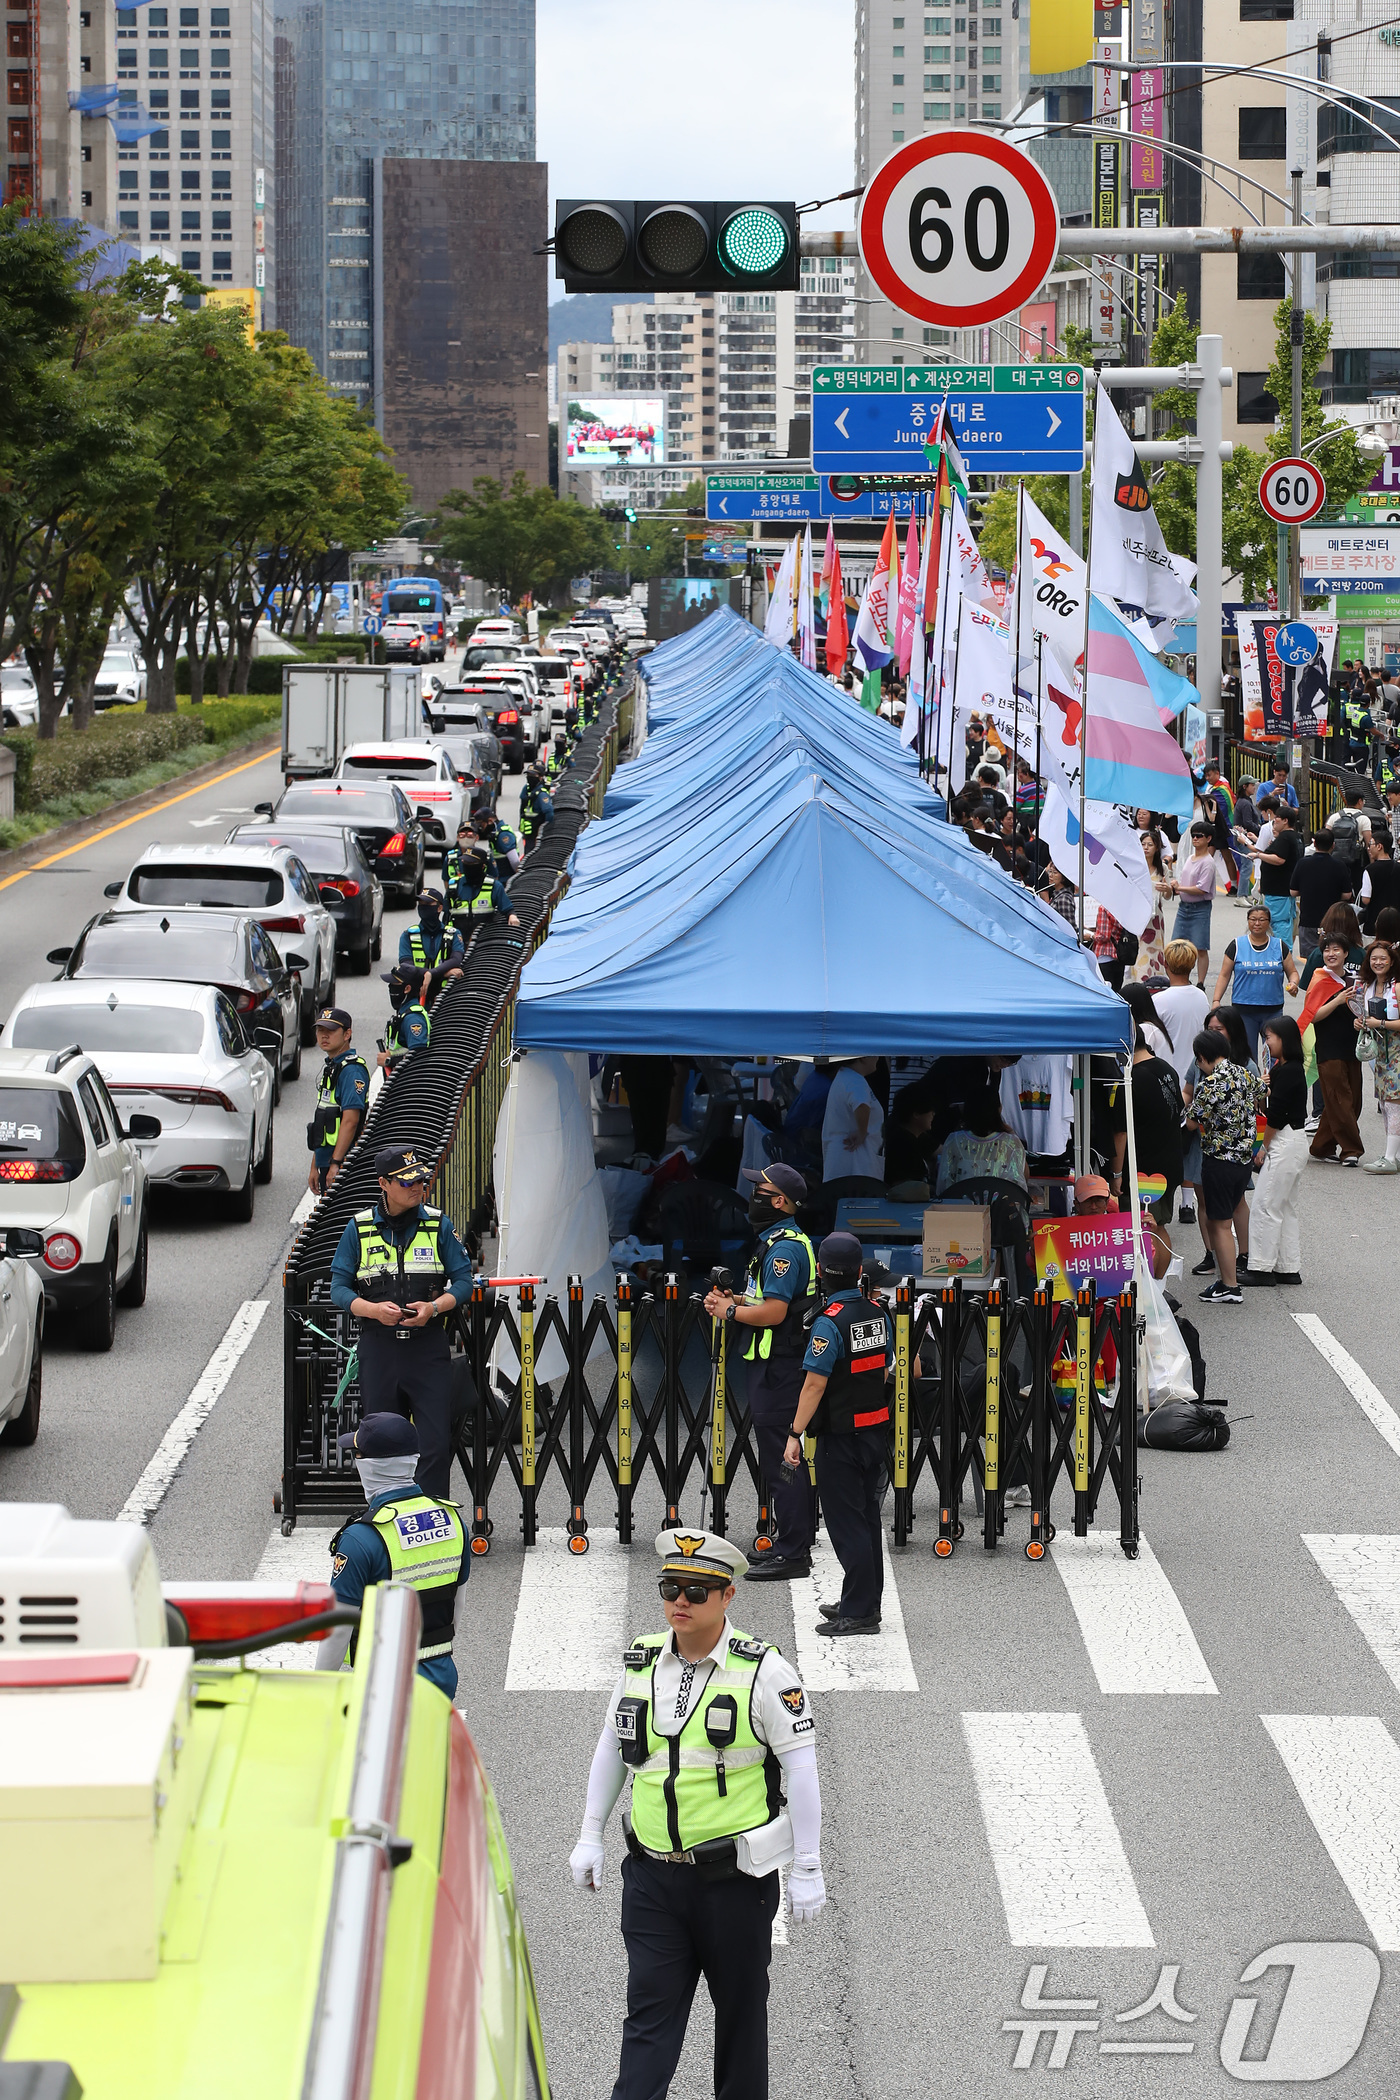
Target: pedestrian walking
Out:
[1255,972]
[1223,1109]
[781,1288]
[1276,863]
[342,1095]
[399,1269]
[402,1535]
[1379,999]
[1380,885]
[843,1404]
[1195,890]
[712,1726]
[1280,1157]
[1327,1010]
[1320,880]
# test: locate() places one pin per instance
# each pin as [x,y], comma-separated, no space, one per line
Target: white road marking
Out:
[151,1489]
[570,1621]
[304,1208]
[1064,1876]
[862,1662]
[1364,1569]
[304,1557]
[1138,1637]
[1367,1395]
[1346,1768]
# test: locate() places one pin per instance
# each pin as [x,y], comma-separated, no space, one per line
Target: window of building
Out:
[991,54]
[938,338]
[897,50]
[189,18]
[189,259]
[158,62]
[1266,10]
[222,260]
[896,335]
[1262,134]
[896,109]
[129,221]
[1344,128]
[126,61]
[189,102]
[128,179]
[1255,403]
[158,145]
[160,182]
[1260,277]
[160,222]
[126,18]
[189,182]
[218,21]
[220,145]
[937,83]
[938,25]
[1358,374]
[897,79]
[220,101]
[991,85]
[1067,105]
[938,54]
[157,18]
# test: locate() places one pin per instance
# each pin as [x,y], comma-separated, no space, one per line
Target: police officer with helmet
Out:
[782,1283]
[399,1268]
[402,1536]
[342,1095]
[713,1726]
[844,1405]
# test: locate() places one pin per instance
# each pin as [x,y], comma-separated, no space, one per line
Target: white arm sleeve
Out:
[804,1801]
[606,1777]
[330,1653]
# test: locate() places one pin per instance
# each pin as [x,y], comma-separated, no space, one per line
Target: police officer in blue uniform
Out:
[844,1404]
[431,945]
[474,893]
[782,1283]
[500,839]
[342,1095]
[399,1268]
[536,808]
[410,1027]
[404,1536]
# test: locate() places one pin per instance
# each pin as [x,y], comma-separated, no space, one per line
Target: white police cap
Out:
[686,1552]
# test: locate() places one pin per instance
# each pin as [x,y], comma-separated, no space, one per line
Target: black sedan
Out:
[349,888]
[391,837]
[194,946]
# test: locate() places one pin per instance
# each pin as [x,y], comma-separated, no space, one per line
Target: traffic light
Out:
[630,515]
[651,245]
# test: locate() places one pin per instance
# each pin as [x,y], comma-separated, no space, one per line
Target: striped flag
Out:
[1129,757]
[838,639]
[908,599]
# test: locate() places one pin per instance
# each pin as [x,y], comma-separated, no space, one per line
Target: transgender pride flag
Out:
[1129,757]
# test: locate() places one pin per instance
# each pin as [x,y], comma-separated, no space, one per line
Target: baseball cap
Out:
[382,1436]
[401,1163]
[699,1553]
[786,1180]
[1088,1185]
[842,1252]
[333,1017]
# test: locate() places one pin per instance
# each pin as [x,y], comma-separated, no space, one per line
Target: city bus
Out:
[419,598]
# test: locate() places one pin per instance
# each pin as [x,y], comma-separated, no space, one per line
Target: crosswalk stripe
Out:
[1364,1570]
[570,1622]
[304,1557]
[1064,1876]
[1346,1768]
[1367,1395]
[876,1662]
[1138,1636]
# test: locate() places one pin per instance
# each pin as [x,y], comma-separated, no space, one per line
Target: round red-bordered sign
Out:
[1292,491]
[958,228]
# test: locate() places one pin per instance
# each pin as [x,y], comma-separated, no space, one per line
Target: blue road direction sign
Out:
[373,623]
[796,499]
[1005,419]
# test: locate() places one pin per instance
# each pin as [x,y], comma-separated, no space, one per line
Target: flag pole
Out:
[947,552]
[1084,701]
[1016,654]
[1039,689]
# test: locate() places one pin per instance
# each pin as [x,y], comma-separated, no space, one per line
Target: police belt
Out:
[717,1859]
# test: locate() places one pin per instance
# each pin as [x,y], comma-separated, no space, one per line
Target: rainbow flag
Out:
[1151,1187]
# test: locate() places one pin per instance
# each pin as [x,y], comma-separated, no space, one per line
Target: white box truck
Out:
[327,706]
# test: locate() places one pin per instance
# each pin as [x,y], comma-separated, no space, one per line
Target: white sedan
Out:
[21,1348]
[425,773]
[121,680]
[19,696]
[177,1052]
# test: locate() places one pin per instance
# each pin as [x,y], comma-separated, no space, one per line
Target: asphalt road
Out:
[1045,1787]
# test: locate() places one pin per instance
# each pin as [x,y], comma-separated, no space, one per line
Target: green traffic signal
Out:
[630,515]
[753,241]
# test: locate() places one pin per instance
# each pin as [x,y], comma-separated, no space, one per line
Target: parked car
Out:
[228,949]
[21,1345]
[73,1187]
[175,1053]
[121,680]
[476,760]
[268,881]
[19,697]
[424,772]
[402,639]
[348,885]
[394,842]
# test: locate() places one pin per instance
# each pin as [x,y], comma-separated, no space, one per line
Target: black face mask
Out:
[762,1210]
[429,914]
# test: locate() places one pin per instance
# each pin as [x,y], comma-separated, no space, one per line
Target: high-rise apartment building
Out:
[202,185]
[51,150]
[365,80]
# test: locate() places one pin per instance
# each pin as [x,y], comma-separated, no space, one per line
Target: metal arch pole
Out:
[1210,519]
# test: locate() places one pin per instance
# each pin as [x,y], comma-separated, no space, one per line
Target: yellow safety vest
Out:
[690,1788]
[761,1338]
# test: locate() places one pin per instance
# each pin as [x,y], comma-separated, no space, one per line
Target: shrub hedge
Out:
[118,745]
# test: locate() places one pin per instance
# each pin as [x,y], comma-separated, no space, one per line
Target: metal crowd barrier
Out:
[976,1404]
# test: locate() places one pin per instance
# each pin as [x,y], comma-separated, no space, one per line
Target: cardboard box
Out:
[958,1240]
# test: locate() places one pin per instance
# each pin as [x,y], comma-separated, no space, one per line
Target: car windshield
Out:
[195,949]
[118,660]
[245,889]
[389,768]
[169,1031]
[323,852]
[15,679]
[479,653]
[40,1123]
[357,804]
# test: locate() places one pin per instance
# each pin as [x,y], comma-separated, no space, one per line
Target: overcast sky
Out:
[724,98]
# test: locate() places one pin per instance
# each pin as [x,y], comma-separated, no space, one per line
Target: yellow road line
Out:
[93,837]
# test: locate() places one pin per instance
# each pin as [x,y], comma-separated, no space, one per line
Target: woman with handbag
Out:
[1378,1045]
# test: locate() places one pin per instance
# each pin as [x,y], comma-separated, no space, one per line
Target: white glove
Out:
[806,1892]
[586,1863]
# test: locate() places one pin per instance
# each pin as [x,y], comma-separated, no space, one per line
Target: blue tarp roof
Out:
[763,889]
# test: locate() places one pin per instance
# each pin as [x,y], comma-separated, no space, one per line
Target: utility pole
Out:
[1297,324]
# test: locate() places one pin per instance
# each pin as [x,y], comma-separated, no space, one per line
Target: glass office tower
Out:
[360,80]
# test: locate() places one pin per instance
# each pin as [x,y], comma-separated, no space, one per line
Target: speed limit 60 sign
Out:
[1292,491]
[958,228]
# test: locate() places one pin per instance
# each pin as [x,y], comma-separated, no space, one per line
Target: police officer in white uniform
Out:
[713,1725]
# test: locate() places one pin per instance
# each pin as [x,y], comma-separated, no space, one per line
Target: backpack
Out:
[1183,1425]
[1347,833]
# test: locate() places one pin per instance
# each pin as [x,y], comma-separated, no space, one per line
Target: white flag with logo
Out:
[1128,554]
[1116,873]
[1052,591]
[777,627]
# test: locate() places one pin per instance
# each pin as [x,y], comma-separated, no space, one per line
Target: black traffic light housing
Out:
[675,245]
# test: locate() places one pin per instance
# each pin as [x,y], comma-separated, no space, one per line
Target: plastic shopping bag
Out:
[1165,1362]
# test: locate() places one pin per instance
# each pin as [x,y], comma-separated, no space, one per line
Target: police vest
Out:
[855,1387]
[1257,979]
[393,1036]
[394,1274]
[1355,714]
[426,1544]
[531,813]
[418,949]
[328,1109]
[478,906]
[788,1338]
[716,1777]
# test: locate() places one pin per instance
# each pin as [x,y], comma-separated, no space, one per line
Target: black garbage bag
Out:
[1183,1425]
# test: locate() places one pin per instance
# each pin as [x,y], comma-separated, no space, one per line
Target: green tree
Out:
[521,538]
[997,538]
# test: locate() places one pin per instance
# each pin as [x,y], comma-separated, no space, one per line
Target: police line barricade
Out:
[1018,1395]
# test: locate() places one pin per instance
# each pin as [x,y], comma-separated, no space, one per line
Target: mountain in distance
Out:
[585,317]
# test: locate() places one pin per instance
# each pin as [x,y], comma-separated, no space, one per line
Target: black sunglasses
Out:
[693,1592]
